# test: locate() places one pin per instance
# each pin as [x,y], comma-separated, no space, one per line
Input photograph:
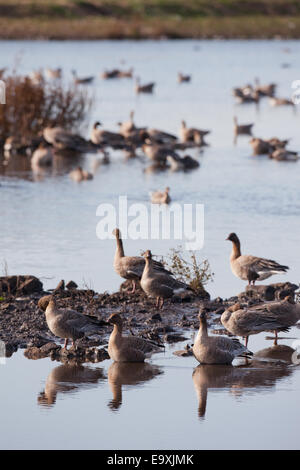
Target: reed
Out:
[32,106]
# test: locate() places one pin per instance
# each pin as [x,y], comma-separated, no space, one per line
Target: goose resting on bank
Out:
[69,324]
[216,349]
[128,348]
[282,154]
[161,197]
[270,316]
[251,268]
[131,267]
[158,284]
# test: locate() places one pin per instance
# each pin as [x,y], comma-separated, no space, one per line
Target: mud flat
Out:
[23,324]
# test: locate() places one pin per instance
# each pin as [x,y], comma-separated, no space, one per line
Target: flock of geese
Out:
[159,283]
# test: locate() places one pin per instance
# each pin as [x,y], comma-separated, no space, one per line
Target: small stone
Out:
[71,285]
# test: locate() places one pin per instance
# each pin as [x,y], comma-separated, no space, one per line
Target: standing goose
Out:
[240,129]
[131,267]
[69,324]
[128,348]
[216,349]
[192,134]
[101,136]
[160,285]
[161,197]
[270,316]
[251,268]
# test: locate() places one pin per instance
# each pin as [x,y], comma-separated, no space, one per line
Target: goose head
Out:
[148,255]
[115,319]
[116,232]
[232,237]
[97,124]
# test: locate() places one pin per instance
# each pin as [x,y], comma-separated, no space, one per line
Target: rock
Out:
[49,347]
[174,338]
[71,285]
[276,291]
[156,317]
[20,285]
[258,292]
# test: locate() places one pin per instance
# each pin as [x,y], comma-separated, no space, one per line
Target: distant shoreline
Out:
[99,28]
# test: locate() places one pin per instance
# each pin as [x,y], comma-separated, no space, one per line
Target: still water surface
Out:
[48,228]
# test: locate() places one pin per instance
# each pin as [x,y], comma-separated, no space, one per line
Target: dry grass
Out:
[100,19]
[31,107]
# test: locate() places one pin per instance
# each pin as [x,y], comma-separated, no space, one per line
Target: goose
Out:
[131,267]
[160,285]
[160,137]
[63,139]
[53,74]
[125,73]
[107,74]
[69,324]
[265,90]
[216,349]
[81,81]
[282,154]
[251,268]
[281,102]
[79,175]
[157,153]
[128,348]
[101,136]
[260,146]
[184,163]
[192,134]
[181,78]
[269,316]
[42,156]
[127,127]
[148,88]
[242,128]
[246,94]
[161,197]
[277,143]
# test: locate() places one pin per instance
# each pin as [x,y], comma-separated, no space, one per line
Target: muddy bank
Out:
[23,324]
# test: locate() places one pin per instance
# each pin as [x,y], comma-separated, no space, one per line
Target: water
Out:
[156,405]
[48,228]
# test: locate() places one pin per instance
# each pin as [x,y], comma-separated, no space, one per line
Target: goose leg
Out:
[133,287]
[157,301]
[276,338]
[66,343]
[162,303]
[246,341]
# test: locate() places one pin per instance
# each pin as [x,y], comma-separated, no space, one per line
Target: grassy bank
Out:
[96,19]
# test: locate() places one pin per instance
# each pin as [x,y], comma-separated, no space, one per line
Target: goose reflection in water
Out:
[68,378]
[125,373]
[268,366]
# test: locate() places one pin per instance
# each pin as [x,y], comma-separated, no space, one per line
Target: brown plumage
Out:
[128,348]
[270,316]
[251,268]
[160,285]
[131,267]
[216,349]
